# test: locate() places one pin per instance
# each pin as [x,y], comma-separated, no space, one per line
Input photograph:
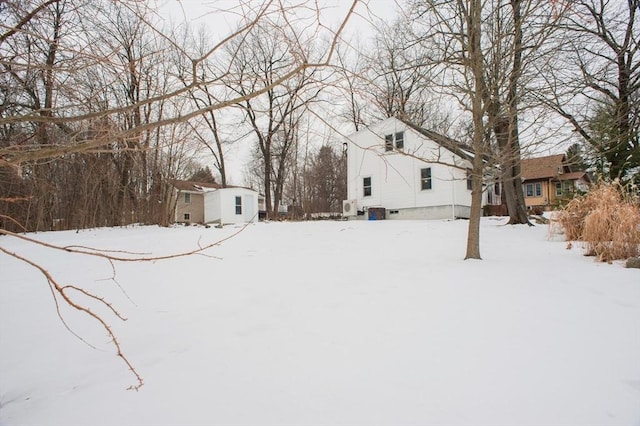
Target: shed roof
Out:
[188,185]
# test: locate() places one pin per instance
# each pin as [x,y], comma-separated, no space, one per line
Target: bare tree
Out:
[596,83]
[259,61]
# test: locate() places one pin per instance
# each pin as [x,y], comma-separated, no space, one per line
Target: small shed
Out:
[231,205]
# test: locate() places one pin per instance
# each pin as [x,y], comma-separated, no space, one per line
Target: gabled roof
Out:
[541,167]
[442,140]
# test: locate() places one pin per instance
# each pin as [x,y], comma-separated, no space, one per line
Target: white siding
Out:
[212,206]
[228,205]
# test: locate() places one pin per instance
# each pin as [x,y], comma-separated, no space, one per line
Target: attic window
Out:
[388,143]
[394,140]
[399,140]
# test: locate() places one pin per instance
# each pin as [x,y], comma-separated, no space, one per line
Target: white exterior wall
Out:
[220,206]
[212,206]
[395,177]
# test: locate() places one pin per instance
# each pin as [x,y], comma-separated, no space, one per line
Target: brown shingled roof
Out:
[541,167]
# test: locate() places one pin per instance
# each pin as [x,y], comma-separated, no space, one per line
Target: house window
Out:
[469,180]
[425,178]
[187,198]
[366,186]
[238,205]
[392,140]
[528,190]
[388,143]
[187,216]
[533,190]
[399,140]
[558,189]
[496,188]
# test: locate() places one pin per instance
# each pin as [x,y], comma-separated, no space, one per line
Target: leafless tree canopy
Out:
[102,104]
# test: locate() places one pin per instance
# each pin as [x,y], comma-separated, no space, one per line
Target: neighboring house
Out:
[547,181]
[396,170]
[197,202]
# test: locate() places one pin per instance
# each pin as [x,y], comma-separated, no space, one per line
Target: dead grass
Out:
[607,220]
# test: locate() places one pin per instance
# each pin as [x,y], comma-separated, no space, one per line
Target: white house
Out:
[401,171]
[197,202]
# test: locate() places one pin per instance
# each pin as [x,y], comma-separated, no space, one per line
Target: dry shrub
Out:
[607,220]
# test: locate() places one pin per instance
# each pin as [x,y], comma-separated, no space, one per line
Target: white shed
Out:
[405,172]
[231,205]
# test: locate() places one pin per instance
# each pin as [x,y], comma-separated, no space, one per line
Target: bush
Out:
[606,219]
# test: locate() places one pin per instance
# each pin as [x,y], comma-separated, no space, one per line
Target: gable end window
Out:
[400,140]
[238,205]
[388,143]
[425,178]
[394,140]
[366,186]
[187,198]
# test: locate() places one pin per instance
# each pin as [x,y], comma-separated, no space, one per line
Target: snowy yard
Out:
[356,323]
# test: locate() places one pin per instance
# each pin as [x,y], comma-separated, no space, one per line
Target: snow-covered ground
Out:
[350,323]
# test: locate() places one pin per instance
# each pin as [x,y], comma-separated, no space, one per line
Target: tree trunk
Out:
[476,65]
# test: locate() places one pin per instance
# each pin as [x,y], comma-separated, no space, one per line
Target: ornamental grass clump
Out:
[606,220]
